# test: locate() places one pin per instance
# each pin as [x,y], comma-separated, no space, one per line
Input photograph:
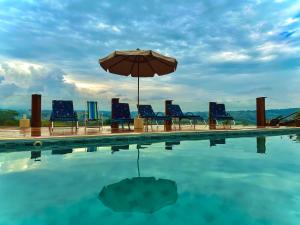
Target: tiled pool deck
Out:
[14,138]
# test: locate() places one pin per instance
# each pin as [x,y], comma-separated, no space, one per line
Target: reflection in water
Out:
[169,144]
[143,146]
[139,194]
[36,155]
[214,142]
[62,151]
[261,144]
[92,149]
[117,148]
[295,138]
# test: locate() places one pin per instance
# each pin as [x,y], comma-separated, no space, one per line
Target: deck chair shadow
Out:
[93,115]
[63,111]
[176,113]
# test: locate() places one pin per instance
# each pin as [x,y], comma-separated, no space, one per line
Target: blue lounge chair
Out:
[176,113]
[92,114]
[121,114]
[146,112]
[63,111]
[218,113]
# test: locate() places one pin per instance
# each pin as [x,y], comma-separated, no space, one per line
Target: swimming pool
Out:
[253,180]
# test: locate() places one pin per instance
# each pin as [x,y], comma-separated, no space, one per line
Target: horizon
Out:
[226,52]
[134,111]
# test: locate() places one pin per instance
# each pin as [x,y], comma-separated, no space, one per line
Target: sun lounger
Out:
[92,114]
[63,111]
[121,114]
[146,112]
[176,113]
[218,113]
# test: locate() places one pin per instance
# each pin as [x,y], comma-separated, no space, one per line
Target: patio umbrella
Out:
[138,63]
[139,194]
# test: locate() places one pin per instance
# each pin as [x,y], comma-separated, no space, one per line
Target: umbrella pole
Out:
[138,90]
[138,162]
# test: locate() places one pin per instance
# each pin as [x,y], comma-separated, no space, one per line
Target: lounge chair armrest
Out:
[75,115]
[189,114]
[227,114]
[85,115]
[100,115]
[159,114]
[51,116]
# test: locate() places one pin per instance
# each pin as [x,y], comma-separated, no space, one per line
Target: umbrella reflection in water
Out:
[139,194]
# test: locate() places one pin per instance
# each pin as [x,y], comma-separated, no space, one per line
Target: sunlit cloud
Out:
[229,56]
[107,27]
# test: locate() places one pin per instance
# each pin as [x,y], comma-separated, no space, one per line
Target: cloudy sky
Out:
[230,51]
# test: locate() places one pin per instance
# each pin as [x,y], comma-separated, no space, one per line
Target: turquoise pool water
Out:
[233,181]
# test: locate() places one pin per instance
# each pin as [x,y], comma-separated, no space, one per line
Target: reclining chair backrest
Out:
[92,110]
[146,111]
[221,110]
[174,110]
[213,108]
[62,109]
[121,111]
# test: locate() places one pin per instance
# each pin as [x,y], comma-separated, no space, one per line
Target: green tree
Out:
[297,115]
[8,118]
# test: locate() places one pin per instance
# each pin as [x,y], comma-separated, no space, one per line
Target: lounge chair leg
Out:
[173,124]
[191,123]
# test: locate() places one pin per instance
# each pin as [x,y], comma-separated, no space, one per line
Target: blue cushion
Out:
[146,111]
[218,111]
[175,110]
[63,111]
[121,111]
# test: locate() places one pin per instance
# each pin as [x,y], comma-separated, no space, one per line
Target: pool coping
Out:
[24,144]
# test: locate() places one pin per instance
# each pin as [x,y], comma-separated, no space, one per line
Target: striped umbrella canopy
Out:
[138,63]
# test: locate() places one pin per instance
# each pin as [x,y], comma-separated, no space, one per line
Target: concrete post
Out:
[211,122]
[260,112]
[36,105]
[168,124]
[114,125]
